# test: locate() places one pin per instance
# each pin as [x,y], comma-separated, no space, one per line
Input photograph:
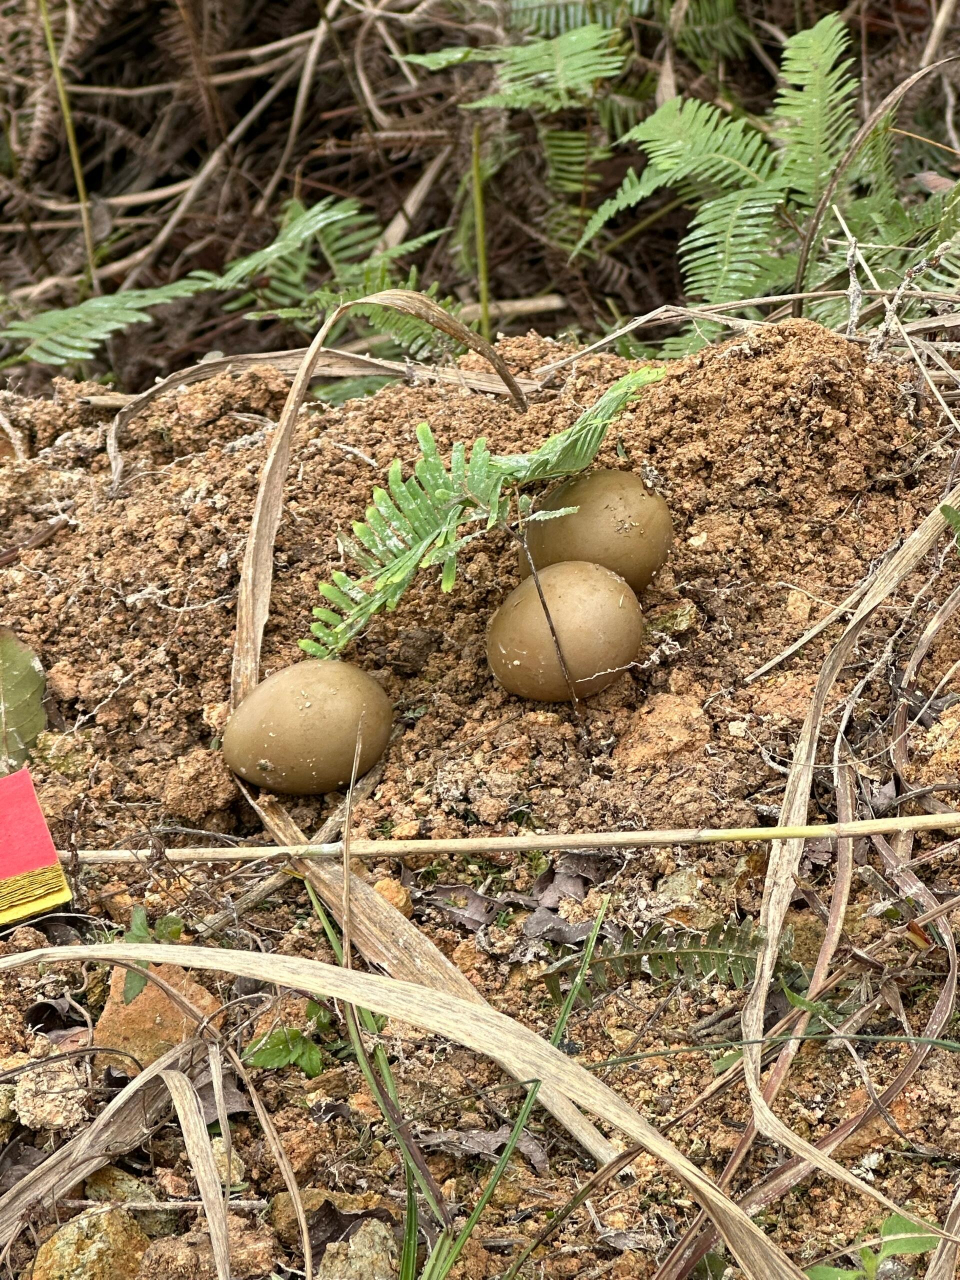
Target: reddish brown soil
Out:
[790,464]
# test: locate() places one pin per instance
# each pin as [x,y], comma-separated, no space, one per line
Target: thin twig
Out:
[546,842]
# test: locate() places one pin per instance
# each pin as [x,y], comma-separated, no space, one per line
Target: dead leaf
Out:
[483,1142]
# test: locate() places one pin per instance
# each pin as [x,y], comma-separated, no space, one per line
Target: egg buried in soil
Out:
[296,733]
[598,622]
[619,523]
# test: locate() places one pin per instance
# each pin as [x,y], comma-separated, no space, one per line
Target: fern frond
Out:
[74,333]
[428,519]
[556,74]
[814,109]
[712,29]
[634,188]
[725,953]
[570,155]
[695,146]
[727,249]
[295,231]
[553,74]
[555,17]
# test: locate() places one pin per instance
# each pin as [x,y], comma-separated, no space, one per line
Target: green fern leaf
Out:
[74,333]
[296,230]
[553,74]
[723,252]
[695,145]
[710,30]
[634,188]
[556,17]
[725,953]
[814,109]
[570,157]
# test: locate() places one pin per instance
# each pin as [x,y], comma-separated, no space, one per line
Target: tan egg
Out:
[619,523]
[598,623]
[296,733]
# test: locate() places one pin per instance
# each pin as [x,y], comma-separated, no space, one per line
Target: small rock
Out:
[117,901]
[111,1183]
[369,1254]
[172,1185]
[49,1097]
[253,1254]
[284,1220]
[364,1104]
[100,1244]
[198,784]
[237,1169]
[26,938]
[8,1091]
[151,1024]
[397,894]
[681,887]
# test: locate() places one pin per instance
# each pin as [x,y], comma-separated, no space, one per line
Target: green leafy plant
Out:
[166,929]
[285,1047]
[552,74]
[753,185]
[899,1237]
[428,518]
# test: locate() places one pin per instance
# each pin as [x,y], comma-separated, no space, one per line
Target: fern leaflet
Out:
[813,111]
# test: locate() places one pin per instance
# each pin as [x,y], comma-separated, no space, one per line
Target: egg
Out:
[598,623]
[296,733]
[620,524]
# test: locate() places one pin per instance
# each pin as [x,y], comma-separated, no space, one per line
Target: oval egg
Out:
[598,623]
[296,733]
[619,523]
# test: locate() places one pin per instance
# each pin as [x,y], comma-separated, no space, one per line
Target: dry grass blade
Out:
[479,1028]
[943,1264]
[859,138]
[122,1125]
[785,854]
[282,1159]
[292,842]
[256,576]
[200,1153]
[424,308]
[223,1118]
[259,892]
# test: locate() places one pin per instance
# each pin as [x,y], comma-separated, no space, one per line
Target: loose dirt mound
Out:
[787,460]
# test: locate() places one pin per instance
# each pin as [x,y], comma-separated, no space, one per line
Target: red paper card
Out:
[31,878]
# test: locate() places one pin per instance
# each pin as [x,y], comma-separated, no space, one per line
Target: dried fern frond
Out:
[725,953]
